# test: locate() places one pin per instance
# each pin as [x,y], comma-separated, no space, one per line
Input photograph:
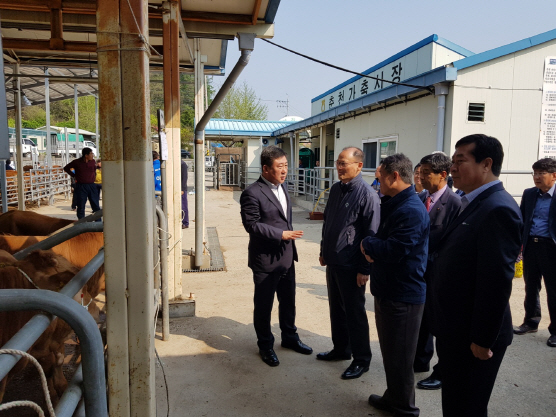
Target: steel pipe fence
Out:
[39,184]
[94,382]
[79,319]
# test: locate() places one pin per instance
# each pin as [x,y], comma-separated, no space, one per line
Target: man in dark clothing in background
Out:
[184,208]
[85,187]
[473,269]
[538,208]
[399,256]
[351,214]
[443,206]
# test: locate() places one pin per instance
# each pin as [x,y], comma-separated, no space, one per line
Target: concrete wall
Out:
[511,88]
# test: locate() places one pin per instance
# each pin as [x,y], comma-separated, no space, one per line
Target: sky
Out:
[357,34]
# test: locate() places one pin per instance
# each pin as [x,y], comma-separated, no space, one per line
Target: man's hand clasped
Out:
[481,353]
[367,257]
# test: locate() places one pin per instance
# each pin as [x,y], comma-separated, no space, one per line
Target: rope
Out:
[43,383]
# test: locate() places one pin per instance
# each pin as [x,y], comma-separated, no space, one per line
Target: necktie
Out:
[428,203]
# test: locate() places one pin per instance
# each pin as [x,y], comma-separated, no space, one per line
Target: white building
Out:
[508,92]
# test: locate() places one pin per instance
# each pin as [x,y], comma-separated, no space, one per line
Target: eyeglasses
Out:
[343,164]
[539,174]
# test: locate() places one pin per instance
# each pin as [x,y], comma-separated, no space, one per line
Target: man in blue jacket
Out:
[538,208]
[352,213]
[399,256]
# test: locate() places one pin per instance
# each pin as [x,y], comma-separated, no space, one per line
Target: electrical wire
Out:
[420,87]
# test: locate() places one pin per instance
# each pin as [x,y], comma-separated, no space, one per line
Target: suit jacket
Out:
[527,207]
[442,214]
[473,268]
[264,220]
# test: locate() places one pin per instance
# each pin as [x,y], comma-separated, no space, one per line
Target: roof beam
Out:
[44,45]
[256,10]
[56,29]
[73,7]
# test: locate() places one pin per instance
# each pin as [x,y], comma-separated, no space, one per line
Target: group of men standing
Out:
[438,264]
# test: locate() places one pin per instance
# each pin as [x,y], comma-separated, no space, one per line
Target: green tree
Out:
[242,103]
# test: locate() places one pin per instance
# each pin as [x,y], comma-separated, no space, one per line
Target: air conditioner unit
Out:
[265,142]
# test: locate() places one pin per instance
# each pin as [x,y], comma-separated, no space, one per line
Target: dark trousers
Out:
[82,193]
[266,285]
[425,348]
[397,325]
[185,209]
[467,382]
[348,317]
[539,260]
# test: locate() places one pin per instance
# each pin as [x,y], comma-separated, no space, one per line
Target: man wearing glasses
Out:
[352,213]
[538,208]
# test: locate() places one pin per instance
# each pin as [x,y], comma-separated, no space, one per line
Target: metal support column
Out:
[199,159]
[171,79]
[48,159]
[4,137]
[128,190]
[76,111]
[18,139]
[246,46]
[97,138]
[322,156]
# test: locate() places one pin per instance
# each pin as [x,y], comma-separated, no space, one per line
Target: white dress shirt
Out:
[278,191]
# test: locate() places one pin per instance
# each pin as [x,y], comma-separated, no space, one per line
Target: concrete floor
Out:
[212,365]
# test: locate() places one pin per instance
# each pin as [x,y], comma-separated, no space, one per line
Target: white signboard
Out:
[547,137]
[163,146]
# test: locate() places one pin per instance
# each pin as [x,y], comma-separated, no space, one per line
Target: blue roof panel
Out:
[228,127]
[505,50]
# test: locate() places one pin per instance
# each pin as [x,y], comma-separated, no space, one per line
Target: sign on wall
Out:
[547,138]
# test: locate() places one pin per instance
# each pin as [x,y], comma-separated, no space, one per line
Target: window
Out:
[476,112]
[377,149]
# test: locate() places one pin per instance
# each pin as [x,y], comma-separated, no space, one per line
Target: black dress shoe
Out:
[551,341]
[377,402]
[354,371]
[524,328]
[333,356]
[269,357]
[430,383]
[298,346]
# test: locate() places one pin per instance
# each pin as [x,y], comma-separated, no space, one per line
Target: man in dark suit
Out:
[443,206]
[266,213]
[473,268]
[538,208]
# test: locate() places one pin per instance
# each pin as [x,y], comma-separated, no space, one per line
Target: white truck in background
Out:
[58,145]
[28,147]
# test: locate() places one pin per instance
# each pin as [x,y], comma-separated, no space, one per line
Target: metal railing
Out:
[39,184]
[56,303]
[247,175]
[312,183]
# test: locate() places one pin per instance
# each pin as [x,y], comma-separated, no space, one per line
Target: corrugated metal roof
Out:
[228,127]
[505,50]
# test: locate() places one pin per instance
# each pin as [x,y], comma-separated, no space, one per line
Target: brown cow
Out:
[28,223]
[78,250]
[47,271]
